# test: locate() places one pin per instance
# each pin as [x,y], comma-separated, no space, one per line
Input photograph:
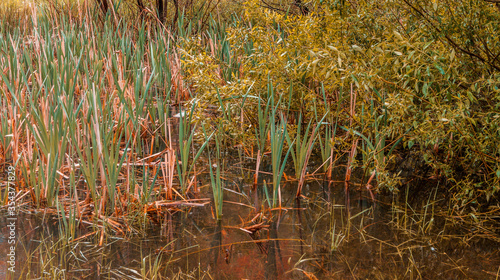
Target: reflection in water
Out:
[299,224]
[310,236]
[271,272]
[216,249]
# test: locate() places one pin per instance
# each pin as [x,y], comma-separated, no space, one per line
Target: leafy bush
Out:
[426,72]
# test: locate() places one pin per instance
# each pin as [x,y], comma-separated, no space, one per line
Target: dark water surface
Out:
[315,237]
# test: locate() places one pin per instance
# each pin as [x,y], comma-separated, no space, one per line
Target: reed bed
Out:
[86,105]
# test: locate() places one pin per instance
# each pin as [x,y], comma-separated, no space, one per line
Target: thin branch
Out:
[451,41]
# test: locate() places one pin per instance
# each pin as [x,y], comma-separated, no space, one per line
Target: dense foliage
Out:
[424,71]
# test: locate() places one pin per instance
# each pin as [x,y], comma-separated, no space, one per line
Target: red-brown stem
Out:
[369,186]
[255,180]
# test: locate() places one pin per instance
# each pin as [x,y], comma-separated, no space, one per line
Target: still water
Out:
[315,237]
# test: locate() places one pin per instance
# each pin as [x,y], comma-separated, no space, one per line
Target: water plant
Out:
[186,134]
[278,134]
[261,132]
[215,178]
[303,148]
